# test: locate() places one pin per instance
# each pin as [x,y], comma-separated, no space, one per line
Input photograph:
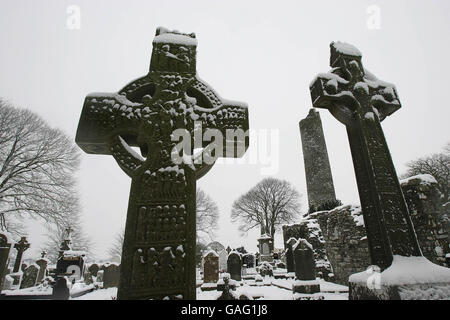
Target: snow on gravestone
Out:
[211,267]
[159,246]
[234,265]
[305,276]
[360,101]
[29,276]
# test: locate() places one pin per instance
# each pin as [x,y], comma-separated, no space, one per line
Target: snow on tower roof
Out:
[166,36]
[346,48]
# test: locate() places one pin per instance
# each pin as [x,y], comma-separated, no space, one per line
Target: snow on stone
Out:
[181,39]
[369,116]
[304,242]
[73,253]
[265,236]
[408,270]
[420,178]
[211,251]
[357,216]
[346,48]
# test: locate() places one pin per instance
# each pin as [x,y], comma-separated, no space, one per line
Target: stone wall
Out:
[345,237]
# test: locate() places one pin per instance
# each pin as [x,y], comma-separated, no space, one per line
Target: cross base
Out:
[418,291]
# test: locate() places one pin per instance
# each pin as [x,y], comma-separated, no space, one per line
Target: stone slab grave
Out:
[305,266]
[319,181]
[153,113]
[360,101]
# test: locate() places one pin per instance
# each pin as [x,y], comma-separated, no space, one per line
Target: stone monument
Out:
[360,101]
[158,259]
[319,181]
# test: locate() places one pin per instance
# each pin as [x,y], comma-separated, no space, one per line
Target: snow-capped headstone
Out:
[290,266]
[42,263]
[21,246]
[360,101]
[29,276]
[159,244]
[234,265]
[210,267]
[265,248]
[319,181]
[5,247]
[111,275]
[305,266]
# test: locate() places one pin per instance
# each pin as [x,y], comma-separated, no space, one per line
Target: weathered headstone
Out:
[211,267]
[319,181]
[20,246]
[66,243]
[71,264]
[5,247]
[159,244]
[111,275]
[29,276]
[100,274]
[360,101]
[265,248]
[93,269]
[290,255]
[61,289]
[305,266]
[234,265]
[42,263]
[223,257]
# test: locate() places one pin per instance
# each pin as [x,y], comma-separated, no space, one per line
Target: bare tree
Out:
[437,165]
[207,216]
[268,205]
[37,165]
[115,251]
[56,233]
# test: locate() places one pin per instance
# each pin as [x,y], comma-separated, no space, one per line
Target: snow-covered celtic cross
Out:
[360,101]
[158,257]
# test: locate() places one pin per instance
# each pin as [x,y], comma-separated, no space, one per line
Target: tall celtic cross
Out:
[158,257]
[21,247]
[360,101]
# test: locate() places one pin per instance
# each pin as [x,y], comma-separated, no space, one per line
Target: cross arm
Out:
[103,116]
[331,91]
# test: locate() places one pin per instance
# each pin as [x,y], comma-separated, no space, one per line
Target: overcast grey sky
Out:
[262,52]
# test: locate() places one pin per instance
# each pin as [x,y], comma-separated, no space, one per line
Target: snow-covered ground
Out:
[281,289]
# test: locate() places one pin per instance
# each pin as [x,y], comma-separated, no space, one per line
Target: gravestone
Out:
[319,181]
[21,247]
[42,263]
[100,274]
[290,255]
[223,257]
[265,248]
[151,113]
[211,267]
[234,265]
[360,101]
[66,243]
[305,266]
[29,276]
[93,269]
[61,289]
[248,259]
[111,275]
[71,264]
[5,247]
